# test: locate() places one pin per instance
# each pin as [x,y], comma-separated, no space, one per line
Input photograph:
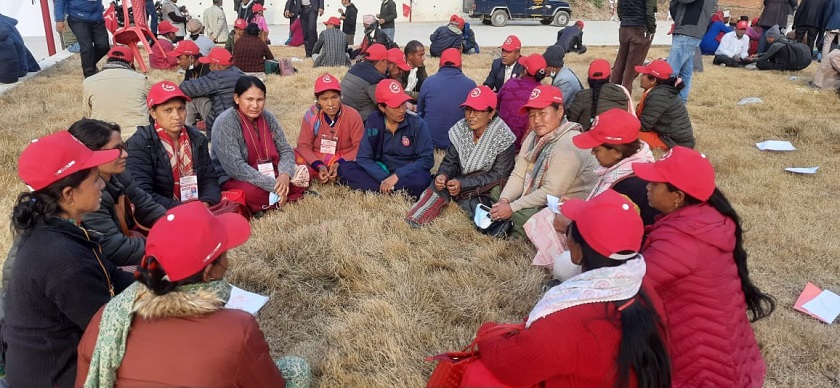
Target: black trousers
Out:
[309,24]
[728,61]
[810,33]
[93,42]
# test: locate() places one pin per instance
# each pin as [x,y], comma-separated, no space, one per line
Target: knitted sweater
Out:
[512,96]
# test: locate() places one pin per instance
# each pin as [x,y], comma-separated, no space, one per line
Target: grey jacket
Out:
[388,12]
[691,17]
[218,85]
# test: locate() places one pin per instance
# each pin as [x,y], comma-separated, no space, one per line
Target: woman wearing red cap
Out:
[614,141]
[258,19]
[181,333]
[169,160]
[698,265]
[479,158]
[514,93]
[57,277]
[601,96]
[548,162]
[166,39]
[665,121]
[599,328]
[251,153]
[330,132]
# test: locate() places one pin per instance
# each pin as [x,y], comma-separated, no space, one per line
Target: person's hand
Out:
[334,172]
[323,174]
[281,188]
[387,186]
[341,11]
[440,182]
[381,21]
[501,210]
[454,187]
[287,14]
[411,107]
[206,204]
[60,26]
[560,223]
[736,57]
[320,12]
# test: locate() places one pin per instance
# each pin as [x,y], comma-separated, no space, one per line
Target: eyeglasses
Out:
[122,146]
[473,112]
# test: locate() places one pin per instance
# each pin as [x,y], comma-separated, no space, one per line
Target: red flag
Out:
[406,10]
[110,17]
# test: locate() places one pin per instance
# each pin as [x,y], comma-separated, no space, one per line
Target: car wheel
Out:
[561,18]
[545,22]
[500,18]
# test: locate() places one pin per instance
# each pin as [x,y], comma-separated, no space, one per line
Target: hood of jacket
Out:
[367,72]
[176,304]
[701,222]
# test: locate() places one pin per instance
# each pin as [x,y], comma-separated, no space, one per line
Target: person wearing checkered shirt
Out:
[331,48]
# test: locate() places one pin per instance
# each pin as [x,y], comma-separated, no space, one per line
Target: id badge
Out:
[266,169]
[328,145]
[189,188]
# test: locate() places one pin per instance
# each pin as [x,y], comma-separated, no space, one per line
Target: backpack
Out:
[799,56]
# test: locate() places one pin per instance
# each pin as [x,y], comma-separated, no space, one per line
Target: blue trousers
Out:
[353,175]
[681,59]
[152,13]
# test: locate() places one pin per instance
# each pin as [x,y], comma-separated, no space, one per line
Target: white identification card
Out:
[266,169]
[189,188]
[328,146]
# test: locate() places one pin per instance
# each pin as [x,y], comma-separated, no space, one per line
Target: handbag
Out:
[233,201]
[124,208]
[463,368]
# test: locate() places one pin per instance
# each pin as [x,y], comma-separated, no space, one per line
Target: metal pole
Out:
[45,13]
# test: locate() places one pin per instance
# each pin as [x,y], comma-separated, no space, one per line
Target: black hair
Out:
[671,81]
[642,347]
[151,274]
[252,29]
[93,133]
[744,18]
[627,149]
[245,82]
[412,47]
[41,205]
[118,60]
[759,304]
[595,85]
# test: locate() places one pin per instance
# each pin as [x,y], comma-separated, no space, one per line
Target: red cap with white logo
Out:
[54,157]
[615,126]
[541,97]
[240,24]
[684,168]
[481,98]
[376,52]
[512,43]
[397,57]
[390,93]
[609,222]
[218,55]
[164,91]
[658,69]
[327,82]
[185,47]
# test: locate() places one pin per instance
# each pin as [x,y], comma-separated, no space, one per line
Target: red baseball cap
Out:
[658,68]
[397,57]
[742,25]
[333,20]
[541,97]
[121,52]
[451,56]
[512,43]
[209,237]
[609,222]
[327,82]
[599,69]
[257,8]
[185,47]
[461,23]
[454,18]
[390,93]
[166,27]
[684,168]
[579,23]
[615,126]
[164,91]
[56,156]
[533,63]
[240,24]
[376,52]
[481,98]
[218,55]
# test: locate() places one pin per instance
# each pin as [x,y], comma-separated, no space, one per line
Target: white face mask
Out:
[553,73]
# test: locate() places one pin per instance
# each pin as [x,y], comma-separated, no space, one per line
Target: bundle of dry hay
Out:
[364,298]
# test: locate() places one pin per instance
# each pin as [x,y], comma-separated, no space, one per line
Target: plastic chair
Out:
[130,35]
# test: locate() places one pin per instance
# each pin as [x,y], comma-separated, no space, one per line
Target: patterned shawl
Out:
[539,152]
[608,176]
[180,160]
[481,155]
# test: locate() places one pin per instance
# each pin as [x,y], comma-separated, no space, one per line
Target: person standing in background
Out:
[691,19]
[387,15]
[151,13]
[215,23]
[308,11]
[86,21]
[175,15]
[638,24]
[348,18]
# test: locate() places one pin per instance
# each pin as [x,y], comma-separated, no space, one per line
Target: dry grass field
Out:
[364,298]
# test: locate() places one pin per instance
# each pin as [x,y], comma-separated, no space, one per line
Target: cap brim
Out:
[648,172]
[403,66]
[532,105]
[236,228]
[586,140]
[571,208]
[99,158]
[205,60]
[475,106]
[336,89]
[398,100]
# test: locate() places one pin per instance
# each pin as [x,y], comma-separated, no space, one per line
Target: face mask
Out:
[553,73]
[482,216]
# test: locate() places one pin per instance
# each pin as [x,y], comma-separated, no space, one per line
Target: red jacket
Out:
[157,61]
[691,267]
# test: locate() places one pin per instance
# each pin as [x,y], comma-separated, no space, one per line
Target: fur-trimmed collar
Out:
[176,304]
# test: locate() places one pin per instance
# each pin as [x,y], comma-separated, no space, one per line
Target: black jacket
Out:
[570,39]
[496,78]
[638,13]
[296,6]
[502,167]
[350,15]
[117,247]
[150,168]
[610,96]
[388,11]
[57,284]
[635,188]
[666,115]
[810,13]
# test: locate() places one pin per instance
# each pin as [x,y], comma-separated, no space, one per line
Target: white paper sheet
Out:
[803,170]
[826,306]
[246,301]
[553,203]
[775,145]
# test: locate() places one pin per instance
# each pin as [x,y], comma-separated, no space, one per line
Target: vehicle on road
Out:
[499,12]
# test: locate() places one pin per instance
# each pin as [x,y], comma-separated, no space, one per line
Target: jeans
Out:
[309,24]
[389,32]
[93,42]
[151,12]
[681,59]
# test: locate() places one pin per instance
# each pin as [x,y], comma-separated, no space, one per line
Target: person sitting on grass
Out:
[174,307]
[217,85]
[397,65]
[517,92]
[57,278]
[601,96]
[480,157]
[507,66]
[697,264]
[470,45]
[665,121]
[396,152]
[827,75]
[783,53]
[548,162]
[570,39]
[126,211]
[562,76]
[448,36]
[168,159]
[359,84]
[250,51]
[117,93]
[714,32]
[188,53]
[250,151]
[412,81]
[330,132]
[166,38]
[196,34]
[331,47]
[441,95]
[372,35]
[603,327]
[734,48]
[614,141]
[236,33]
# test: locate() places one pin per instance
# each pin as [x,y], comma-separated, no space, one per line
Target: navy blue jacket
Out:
[358,88]
[831,15]
[439,102]
[406,151]
[496,78]
[86,10]
[444,38]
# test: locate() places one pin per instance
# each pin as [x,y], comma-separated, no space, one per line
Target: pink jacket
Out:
[689,255]
[158,61]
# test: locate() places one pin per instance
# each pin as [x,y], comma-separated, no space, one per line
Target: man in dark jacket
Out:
[450,35]
[775,12]
[470,45]
[691,18]
[86,21]
[308,11]
[358,86]
[507,66]
[387,15]
[638,24]
[808,21]
[440,98]
[570,39]
[348,20]
[218,84]
[783,54]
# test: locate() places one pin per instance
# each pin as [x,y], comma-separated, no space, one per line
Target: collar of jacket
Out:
[176,304]
[74,232]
